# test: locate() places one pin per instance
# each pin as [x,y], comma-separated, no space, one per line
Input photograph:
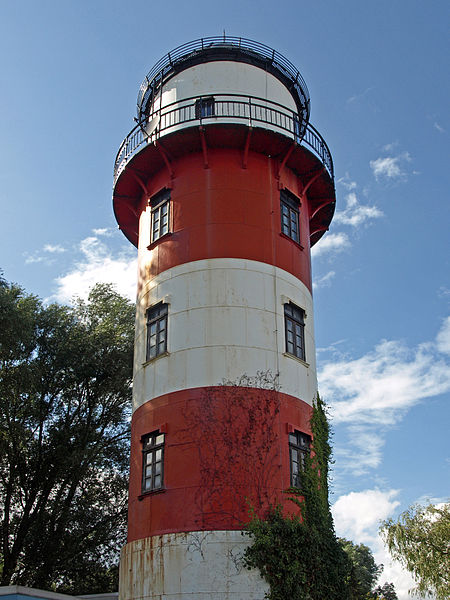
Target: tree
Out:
[364,570]
[65,388]
[420,540]
[385,592]
[299,556]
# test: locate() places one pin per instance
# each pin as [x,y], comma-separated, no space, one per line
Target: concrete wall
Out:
[201,565]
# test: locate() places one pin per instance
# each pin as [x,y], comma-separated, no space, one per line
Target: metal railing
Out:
[249,48]
[222,108]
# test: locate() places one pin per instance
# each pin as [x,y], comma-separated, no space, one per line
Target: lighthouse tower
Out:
[223,186]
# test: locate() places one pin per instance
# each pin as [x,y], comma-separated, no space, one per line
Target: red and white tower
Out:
[224,186]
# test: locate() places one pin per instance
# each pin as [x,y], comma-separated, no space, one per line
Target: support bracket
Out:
[284,160]
[166,158]
[313,178]
[319,208]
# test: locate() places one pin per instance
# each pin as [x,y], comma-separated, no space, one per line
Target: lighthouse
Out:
[224,186]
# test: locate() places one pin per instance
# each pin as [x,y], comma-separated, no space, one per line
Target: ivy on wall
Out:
[299,555]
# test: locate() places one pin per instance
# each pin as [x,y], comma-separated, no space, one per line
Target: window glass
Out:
[156,330]
[204,107]
[299,448]
[160,204]
[295,330]
[290,215]
[152,461]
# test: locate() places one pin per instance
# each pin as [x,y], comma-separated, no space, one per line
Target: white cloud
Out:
[331,243]
[54,249]
[103,231]
[324,281]
[438,127]
[390,147]
[38,257]
[347,182]
[390,167]
[98,264]
[357,514]
[443,337]
[363,453]
[444,292]
[356,214]
[357,517]
[379,386]
[370,394]
[35,258]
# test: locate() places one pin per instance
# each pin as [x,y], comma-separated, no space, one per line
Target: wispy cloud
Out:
[54,249]
[443,337]
[331,244]
[370,394]
[390,167]
[98,263]
[438,127]
[324,281]
[347,182]
[42,256]
[355,214]
[103,231]
[359,96]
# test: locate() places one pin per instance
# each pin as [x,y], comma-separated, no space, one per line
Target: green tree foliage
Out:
[364,570]
[299,556]
[65,388]
[385,592]
[420,540]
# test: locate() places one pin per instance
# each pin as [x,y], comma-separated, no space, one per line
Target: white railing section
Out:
[221,108]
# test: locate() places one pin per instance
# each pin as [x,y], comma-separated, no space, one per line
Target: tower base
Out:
[180,566]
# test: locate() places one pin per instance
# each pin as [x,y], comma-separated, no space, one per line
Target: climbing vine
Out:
[232,426]
[298,555]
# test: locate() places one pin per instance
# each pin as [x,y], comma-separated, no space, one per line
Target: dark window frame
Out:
[294,330]
[205,107]
[152,462]
[290,215]
[299,451]
[160,215]
[157,323]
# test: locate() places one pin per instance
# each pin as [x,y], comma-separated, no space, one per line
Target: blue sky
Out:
[378,79]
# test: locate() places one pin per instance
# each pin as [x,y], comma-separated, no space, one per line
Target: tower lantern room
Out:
[223,185]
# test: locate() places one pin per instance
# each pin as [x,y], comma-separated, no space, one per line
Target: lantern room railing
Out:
[220,48]
[222,108]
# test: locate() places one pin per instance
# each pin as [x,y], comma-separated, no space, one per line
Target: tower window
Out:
[299,445]
[152,461]
[156,330]
[204,107]
[290,213]
[294,320]
[160,204]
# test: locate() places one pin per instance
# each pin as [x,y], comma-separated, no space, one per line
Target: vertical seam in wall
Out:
[275,292]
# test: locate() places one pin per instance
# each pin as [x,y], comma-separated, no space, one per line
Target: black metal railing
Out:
[246,110]
[249,49]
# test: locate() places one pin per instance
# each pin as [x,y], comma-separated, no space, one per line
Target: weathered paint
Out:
[225,212]
[225,271]
[226,319]
[188,566]
[225,447]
